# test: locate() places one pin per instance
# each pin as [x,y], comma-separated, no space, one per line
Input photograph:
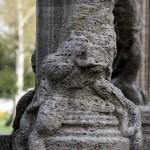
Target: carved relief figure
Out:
[75,106]
[73,81]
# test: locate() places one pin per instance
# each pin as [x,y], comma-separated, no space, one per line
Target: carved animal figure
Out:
[125,110]
[74,80]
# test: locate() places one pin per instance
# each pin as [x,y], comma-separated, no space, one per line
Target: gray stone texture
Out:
[145,116]
[75,107]
[143,77]
[127,63]
[49,23]
[144,73]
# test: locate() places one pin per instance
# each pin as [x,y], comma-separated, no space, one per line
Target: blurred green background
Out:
[17,44]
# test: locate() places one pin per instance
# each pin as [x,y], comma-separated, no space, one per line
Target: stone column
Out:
[144,73]
[75,107]
[49,22]
[145,114]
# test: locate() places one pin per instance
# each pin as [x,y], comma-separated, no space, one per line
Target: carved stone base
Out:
[95,133]
[145,114]
[88,143]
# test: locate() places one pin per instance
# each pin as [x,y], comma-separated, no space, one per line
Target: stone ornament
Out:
[75,107]
[75,100]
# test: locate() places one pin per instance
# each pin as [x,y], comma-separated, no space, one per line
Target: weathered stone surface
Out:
[144,74]
[127,63]
[49,22]
[75,101]
[145,116]
[75,106]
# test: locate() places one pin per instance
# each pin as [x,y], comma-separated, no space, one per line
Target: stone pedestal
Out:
[145,115]
[94,133]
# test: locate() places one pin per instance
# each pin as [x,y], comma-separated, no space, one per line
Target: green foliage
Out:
[28,75]
[7,73]
[9,45]
[10,20]
[4,129]
[7,58]
[4,117]
[7,84]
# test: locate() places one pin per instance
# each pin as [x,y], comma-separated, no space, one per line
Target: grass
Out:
[3,127]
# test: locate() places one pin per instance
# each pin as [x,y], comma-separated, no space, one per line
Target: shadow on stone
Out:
[4,142]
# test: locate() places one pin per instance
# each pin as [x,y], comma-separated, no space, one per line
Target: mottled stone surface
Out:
[75,107]
[75,101]
[145,116]
[127,63]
